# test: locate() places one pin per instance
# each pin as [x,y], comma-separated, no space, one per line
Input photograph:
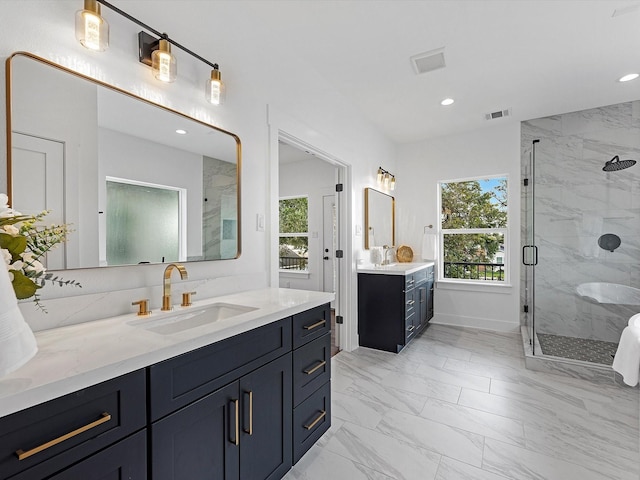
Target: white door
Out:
[329,243]
[37,171]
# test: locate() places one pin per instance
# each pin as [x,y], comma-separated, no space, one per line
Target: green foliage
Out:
[294,219]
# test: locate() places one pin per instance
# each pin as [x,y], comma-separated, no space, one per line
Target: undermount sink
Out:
[171,323]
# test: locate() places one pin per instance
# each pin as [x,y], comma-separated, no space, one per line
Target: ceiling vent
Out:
[498,114]
[428,61]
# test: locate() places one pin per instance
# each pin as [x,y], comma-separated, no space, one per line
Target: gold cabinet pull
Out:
[315,422]
[309,371]
[236,440]
[22,454]
[250,430]
[315,325]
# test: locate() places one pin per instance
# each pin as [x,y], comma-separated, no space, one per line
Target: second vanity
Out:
[170,396]
[395,303]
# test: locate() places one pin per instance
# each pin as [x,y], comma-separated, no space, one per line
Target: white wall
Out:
[490,151]
[257,108]
[314,178]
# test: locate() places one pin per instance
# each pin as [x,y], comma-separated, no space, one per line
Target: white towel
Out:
[17,343]
[634,321]
[429,244]
[627,359]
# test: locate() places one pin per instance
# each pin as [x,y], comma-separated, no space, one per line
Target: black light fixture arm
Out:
[157,33]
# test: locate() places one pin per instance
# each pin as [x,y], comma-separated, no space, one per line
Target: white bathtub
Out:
[611,293]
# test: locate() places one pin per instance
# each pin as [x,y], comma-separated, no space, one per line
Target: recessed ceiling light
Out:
[629,77]
[447,101]
[181,132]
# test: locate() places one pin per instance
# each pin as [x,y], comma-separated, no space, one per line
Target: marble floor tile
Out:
[422,386]
[475,421]
[450,469]
[398,459]
[389,397]
[518,463]
[437,437]
[465,380]
[322,463]
[359,410]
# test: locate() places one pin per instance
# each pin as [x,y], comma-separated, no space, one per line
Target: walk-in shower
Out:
[580,231]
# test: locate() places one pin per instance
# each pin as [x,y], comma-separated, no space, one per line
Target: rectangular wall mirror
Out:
[138,182]
[379,219]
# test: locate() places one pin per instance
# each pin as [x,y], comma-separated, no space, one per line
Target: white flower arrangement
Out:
[23,242]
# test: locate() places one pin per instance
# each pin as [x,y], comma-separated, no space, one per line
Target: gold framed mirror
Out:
[379,219]
[137,181]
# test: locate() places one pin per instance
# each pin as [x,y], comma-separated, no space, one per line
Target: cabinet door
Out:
[422,309]
[266,432]
[199,441]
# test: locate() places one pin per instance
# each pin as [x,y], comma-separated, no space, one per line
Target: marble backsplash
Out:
[575,203]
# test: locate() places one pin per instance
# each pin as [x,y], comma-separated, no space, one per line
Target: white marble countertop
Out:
[394,269]
[78,356]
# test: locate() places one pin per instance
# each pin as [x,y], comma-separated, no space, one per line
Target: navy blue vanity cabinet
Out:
[41,442]
[224,411]
[393,308]
[311,378]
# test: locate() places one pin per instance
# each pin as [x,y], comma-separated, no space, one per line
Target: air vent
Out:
[428,61]
[498,114]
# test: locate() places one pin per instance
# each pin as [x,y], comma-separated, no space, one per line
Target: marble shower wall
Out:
[575,203]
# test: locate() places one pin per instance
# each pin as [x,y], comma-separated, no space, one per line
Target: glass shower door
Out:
[529,248]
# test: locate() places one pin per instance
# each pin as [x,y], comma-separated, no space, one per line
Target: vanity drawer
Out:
[409,282]
[409,302]
[181,380]
[60,432]
[310,420]
[311,324]
[311,367]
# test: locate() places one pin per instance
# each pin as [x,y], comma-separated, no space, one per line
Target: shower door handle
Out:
[535,255]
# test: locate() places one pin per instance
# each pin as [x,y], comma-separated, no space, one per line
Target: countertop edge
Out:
[397,269]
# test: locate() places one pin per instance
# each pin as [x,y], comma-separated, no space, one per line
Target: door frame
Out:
[344,332]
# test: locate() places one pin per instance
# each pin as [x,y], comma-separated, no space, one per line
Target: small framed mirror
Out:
[379,219]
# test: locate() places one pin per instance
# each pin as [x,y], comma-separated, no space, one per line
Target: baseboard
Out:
[475,322]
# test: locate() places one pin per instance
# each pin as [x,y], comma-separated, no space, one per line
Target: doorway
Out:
[304,173]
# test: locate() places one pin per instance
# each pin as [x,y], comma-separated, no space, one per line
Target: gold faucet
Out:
[166,289]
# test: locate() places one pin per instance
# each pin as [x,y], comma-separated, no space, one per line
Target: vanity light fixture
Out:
[629,77]
[92,31]
[215,88]
[386,179]
[163,63]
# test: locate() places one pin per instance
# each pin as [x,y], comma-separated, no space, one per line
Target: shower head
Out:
[616,164]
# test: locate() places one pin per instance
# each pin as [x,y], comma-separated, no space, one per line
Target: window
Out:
[474,229]
[294,234]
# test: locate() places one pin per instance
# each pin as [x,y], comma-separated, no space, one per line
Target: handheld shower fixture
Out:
[616,164]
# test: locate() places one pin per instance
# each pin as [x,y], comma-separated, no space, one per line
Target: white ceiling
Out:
[537,58]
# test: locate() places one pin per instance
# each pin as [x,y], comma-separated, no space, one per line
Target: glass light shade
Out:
[92,31]
[386,180]
[392,185]
[163,63]
[214,88]
[380,176]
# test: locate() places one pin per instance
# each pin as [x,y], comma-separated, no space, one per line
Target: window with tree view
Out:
[294,234]
[474,229]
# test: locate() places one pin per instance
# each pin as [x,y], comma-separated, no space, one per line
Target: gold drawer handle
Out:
[22,454]
[309,371]
[315,325]
[315,422]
